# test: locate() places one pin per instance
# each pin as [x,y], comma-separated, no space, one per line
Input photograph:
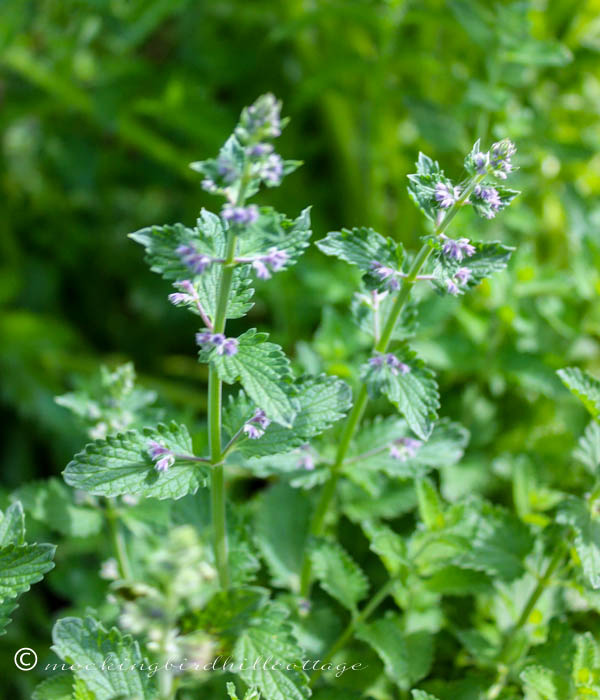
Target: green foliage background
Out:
[105,102]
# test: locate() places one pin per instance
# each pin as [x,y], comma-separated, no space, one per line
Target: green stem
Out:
[364,614]
[118,542]
[329,489]
[542,584]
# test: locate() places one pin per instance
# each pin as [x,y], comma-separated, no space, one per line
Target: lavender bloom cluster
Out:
[224,346]
[404,448]
[243,216]
[386,273]
[446,195]
[197,262]
[255,427]
[391,361]
[457,249]
[489,195]
[460,279]
[497,161]
[272,261]
[161,455]
[262,120]
[186,295]
[306,460]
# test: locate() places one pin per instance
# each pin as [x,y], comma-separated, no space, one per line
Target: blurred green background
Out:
[105,102]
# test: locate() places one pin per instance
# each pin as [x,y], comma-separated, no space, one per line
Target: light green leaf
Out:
[281,527]
[23,565]
[588,449]
[407,658]
[264,372]
[228,612]
[585,387]
[338,573]
[362,247]
[12,525]
[387,544]
[251,694]
[541,684]
[51,502]
[208,237]
[371,452]
[540,53]
[81,691]
[414,391]
[431,508]
[421,185]
[59,687]
[422,695]
[574,512]
[321,402]
[87,645]
[271,637]
[121,464]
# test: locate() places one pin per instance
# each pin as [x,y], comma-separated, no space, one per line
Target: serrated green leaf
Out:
[120,464]
[362,247]
[7,607]
[208,237]
[281,528]
[414,392]
[488,258]
[251,694]
[574,512]
[542,684]
[264,371]
[59,687]
[370,451]
[585,387]
[23,565]
[321,401]
[274,230]
[87,645]
[338,573]
[588,448]
[387,544]
[586,657]
[12,525]
[421,185]
[430,505]
[270,637]
[81,691]
[51,502]
[407,658]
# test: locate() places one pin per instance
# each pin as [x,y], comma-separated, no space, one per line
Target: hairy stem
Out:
[362,616]
[555,561]
[118,542]
[381,345]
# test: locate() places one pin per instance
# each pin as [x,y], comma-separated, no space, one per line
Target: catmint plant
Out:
[207,594]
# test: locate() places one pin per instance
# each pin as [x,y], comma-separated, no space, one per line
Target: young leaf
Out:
[274,230]
[574,512]
[121,464]
[371,448]
[363,247]
[408,384]
[421,185]
[422,695]
[338,573]
[407,658]
[430,505]
[23,565]
[161,243]
[585,387]
[12,525]
[387,544]
[264,372]
[108,662]
[588,449]
[59,687]
[543,682]
[270,637]
[281,528]
[321,402]
[7,607]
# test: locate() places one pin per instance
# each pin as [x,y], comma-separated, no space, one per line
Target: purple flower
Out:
[227,169]
[480,161]
[240,215]
[224,346]
[229,347]
[197,262]
[161,455]
[500,158]
[404,448]
[272,169]
[377,361]
[306,462]
[188,295]
[446,195]
[262,271]
[395,365]
[490,196]
[451,287]
[462,275]
[209,185]
[276,259]
[259,150]
[262,119]
[385,273]
[255,427]
[457,249]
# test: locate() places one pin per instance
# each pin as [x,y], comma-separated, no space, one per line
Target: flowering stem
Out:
[381,345]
